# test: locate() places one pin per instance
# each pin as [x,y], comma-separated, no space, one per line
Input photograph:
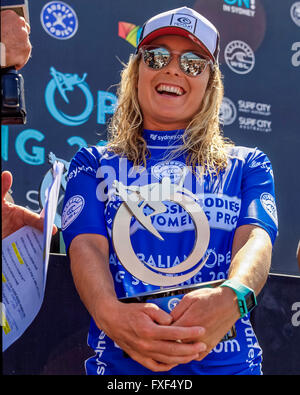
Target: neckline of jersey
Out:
[167,138]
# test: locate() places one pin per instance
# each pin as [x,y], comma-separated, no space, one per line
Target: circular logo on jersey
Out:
[173,169]
[268,203]
[71,210]
[295,13]
[59,20]
[239,57]
[227,112]
[172,303]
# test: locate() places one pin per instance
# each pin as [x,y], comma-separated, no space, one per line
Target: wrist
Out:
[229,297]
[105,311]
[245,297]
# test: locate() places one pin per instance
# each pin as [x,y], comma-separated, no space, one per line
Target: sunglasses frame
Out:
[179,55]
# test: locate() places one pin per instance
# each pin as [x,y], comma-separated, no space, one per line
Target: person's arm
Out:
[251,257]
[15,43]
[142,330]
[15,217]
[217,309]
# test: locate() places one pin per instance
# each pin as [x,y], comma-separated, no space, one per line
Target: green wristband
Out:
[245,296]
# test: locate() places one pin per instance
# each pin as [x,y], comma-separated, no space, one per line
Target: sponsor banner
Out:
[71,85]
[240,7]
[249,115]
[239,57]
[59,20]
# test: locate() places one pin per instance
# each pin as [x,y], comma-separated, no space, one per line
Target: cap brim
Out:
[171,30]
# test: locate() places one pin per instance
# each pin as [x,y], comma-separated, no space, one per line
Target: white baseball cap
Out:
[184,22]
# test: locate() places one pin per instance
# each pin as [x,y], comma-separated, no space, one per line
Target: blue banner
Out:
[71,82]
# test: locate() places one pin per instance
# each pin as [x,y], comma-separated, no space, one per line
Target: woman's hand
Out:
[15,217]
[214,309]
[144,332]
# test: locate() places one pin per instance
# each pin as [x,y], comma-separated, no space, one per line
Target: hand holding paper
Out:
[25,256]
[15,217]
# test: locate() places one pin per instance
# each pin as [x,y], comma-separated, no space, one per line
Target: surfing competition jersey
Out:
[99,182]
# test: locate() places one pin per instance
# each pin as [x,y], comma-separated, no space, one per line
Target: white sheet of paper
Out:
[50,210]
[25,257]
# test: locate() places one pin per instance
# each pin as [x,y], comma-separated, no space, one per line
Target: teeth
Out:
[171,89]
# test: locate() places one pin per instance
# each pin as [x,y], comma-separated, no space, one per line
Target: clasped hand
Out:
[160,341]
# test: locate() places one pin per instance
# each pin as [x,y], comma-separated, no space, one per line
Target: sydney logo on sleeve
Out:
[59,20]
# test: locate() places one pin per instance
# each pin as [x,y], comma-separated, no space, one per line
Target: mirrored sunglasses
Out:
[191,63]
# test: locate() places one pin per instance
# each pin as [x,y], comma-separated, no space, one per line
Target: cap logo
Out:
[184,20]
[181,20]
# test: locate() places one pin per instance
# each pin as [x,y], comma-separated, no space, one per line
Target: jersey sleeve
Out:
[258,205]
[83,210]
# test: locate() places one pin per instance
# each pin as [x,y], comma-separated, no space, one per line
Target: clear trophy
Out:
[135,198]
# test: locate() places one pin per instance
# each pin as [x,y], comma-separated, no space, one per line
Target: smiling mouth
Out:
[170,90]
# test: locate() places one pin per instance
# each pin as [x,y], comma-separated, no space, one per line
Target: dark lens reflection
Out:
[190,63]
[156,58]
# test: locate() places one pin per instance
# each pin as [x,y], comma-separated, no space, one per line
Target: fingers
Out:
[175,352]
[152,364]
[27,26]
[15,38]
[170,354]
[181,307]
[33,219]
[155,343]
[166,343]
[175,333]
[164,330]
[36,221]
[164,356]
[157,315]
[6,182]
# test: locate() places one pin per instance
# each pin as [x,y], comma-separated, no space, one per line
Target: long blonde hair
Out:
[203,142]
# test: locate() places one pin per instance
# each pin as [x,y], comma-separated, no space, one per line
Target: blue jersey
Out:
[241,194]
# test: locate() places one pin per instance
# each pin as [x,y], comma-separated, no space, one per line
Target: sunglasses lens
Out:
[192,64]
[156,58]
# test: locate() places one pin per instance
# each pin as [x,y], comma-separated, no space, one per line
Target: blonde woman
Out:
[185,195]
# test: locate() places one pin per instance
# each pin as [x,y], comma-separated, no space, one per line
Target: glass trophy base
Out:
[168,298]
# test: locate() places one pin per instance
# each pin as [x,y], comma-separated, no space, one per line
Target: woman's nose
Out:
[173,66]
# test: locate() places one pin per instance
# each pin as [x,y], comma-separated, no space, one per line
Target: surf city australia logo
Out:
[59,20]
[251,115]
